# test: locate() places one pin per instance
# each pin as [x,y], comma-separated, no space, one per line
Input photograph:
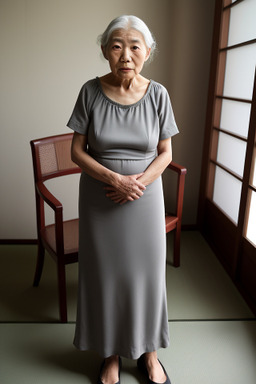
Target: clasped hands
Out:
[125,188]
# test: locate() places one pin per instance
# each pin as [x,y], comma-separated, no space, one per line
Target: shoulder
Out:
[89,93]
[158,88]
[159,93]
[89,86]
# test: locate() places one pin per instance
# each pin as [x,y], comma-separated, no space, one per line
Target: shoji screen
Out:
[227,213]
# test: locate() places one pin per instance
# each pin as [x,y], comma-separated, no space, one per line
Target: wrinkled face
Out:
[126,53]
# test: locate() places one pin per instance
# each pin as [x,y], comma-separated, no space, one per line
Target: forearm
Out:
[92,167]
[156,168]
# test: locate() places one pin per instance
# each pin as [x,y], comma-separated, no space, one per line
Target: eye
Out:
[135,47]
[116,46]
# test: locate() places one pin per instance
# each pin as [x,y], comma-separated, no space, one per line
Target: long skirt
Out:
[122,308]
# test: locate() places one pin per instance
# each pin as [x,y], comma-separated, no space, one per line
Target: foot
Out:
[154,368]
[110,371]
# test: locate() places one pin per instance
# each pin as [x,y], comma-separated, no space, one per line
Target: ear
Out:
[147,54]
[104,52]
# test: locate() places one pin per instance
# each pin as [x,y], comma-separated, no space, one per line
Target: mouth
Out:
[125,69]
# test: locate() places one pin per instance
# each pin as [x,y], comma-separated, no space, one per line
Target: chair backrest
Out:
[52,157]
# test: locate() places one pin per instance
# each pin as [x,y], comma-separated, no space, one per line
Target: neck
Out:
[124,84]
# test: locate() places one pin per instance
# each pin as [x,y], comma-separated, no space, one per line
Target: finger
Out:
[138,175]
[139,192]
[117,198]
[136,195]
[140,185]
[136,191]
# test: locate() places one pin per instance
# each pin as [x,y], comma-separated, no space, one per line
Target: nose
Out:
[126,56]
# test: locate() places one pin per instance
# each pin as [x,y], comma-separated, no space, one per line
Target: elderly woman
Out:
[123,125]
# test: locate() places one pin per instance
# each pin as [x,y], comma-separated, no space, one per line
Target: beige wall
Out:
[191,29]
[48,50]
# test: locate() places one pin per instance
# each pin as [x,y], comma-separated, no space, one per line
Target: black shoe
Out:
[101,369]
[142,366]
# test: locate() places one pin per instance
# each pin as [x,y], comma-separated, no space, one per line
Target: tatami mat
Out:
[199,289]
[19,300]
[200,353]
[212,330]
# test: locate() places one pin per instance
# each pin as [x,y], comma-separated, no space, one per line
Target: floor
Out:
[212,330]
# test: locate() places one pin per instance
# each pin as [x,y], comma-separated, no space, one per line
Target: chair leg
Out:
[39,265]
[176,251]
[62,292]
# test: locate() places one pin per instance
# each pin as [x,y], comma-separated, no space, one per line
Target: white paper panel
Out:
[235,117]
[240,68]
[242,25]
[251,229]
[231,153]
[227,193]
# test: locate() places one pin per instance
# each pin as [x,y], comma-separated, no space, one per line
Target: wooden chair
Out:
[173,220]
[51,158]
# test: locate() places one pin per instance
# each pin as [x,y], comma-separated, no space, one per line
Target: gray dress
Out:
[122,305]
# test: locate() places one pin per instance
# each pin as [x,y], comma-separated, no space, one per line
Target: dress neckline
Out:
[125,106]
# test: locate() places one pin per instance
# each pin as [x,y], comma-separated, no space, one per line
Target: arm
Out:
[157,167]
[128,187]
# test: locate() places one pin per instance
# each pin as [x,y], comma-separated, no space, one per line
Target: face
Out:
[126,53]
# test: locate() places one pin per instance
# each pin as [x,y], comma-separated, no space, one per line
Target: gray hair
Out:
[126,22]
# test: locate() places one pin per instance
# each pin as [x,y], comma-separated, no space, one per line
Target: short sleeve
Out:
[167,123]
[79,120]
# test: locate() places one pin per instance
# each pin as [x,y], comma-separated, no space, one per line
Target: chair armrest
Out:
[177,168]
[181,171]
[48,197]
[56,205]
